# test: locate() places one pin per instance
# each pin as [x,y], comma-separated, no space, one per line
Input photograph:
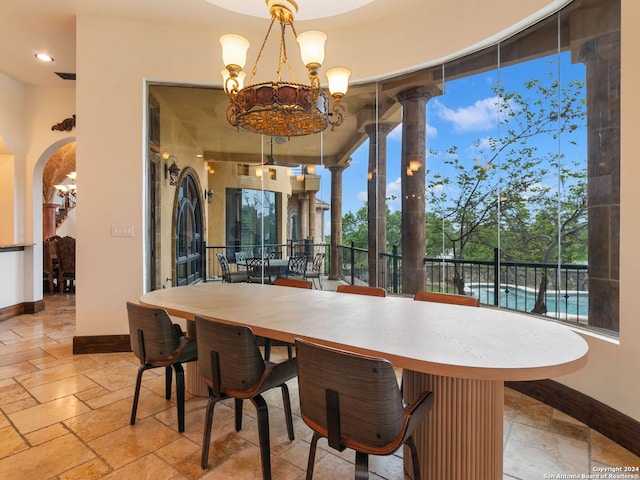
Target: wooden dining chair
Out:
[157,342]
[293,282]
[362,290]
[232,367]
[354,402]
[285,282]
[450,298]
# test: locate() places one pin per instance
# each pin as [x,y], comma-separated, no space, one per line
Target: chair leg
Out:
[362,466]
[267,348]
[168,377]
[289,350]
[136,395]
[414,458]
[180,395]
[208,422]
[263,434]
[312,455]
[286,400]
[238,403]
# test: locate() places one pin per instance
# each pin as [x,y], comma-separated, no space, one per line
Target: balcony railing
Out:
[559,291]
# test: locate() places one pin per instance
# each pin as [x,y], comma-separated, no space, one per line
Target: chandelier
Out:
[282,108]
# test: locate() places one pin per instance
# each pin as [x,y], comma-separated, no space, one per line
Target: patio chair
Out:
[362,290]
[227,275]
[157,342]
[258,270]
[297,266]
[232,367]
[354,402]
[317,268]
[450,298]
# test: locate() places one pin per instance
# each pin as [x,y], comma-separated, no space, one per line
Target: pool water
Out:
[561,304]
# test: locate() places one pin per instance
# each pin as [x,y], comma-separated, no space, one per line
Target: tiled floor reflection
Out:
[66,417]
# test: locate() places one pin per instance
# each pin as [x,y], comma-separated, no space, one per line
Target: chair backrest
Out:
[224,265]
[47,259]
[66,253]
[451,298]
[293,282]
[258,268]
[362,290]
[369,399]
[297,265]
[240,256]
[228,355]
[318,262]
[153,335]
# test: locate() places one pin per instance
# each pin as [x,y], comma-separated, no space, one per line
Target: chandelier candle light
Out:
[281,108]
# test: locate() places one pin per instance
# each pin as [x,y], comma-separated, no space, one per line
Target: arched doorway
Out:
[189,257]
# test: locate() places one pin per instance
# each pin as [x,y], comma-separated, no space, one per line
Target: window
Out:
[251,220]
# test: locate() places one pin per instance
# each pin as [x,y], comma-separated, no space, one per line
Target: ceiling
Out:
[31,26]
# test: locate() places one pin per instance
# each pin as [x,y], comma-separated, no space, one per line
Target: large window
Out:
[251,220]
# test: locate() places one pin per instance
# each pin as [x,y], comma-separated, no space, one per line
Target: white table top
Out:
[440,339]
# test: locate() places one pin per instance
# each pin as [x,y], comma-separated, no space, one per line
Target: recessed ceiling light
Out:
[44,57]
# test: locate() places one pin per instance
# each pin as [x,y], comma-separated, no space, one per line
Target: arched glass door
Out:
[189,227]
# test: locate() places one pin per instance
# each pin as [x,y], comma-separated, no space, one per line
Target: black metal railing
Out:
[559,291]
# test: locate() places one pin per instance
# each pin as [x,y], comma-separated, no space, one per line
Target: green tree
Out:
[508,185]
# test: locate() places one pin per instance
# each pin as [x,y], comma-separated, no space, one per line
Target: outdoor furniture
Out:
[297,266]
[362,290]
[450,298]
[354,402]
[232,367]
[227,275]
[258,270]
[317,267]
[241,258]
[157,342]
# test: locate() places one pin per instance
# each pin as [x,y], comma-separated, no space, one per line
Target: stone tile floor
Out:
[65,417]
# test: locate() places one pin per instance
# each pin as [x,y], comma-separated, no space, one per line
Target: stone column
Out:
[376,201]
[412,171]
[312,216]
[336,219]
[602,59]
[304,216]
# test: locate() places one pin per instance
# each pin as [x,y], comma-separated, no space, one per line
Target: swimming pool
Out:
[564,304]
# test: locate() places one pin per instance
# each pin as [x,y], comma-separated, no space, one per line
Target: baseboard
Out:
[617,426]
[101,344]
[21,309]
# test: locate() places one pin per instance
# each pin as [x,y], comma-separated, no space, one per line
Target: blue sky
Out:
[465,116]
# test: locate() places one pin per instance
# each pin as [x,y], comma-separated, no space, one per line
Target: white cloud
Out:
[482,115]
[362,196]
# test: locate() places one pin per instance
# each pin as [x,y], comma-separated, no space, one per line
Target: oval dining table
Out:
[462,354]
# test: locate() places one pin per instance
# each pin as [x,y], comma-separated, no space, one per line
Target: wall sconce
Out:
[259,171]
[171,172]
[414,166]
[208,195]
[311,169]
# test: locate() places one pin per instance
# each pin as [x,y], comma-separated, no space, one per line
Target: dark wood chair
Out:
[66,257]
[450,298]
[49,269]
[354,402]
[362,290]
[158,342]
[227,275]
[232,367]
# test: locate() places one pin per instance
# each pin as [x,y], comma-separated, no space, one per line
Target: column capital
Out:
[336,168]
[373,129]
[422,93]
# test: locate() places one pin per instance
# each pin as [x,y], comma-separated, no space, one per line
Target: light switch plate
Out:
[122,230]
